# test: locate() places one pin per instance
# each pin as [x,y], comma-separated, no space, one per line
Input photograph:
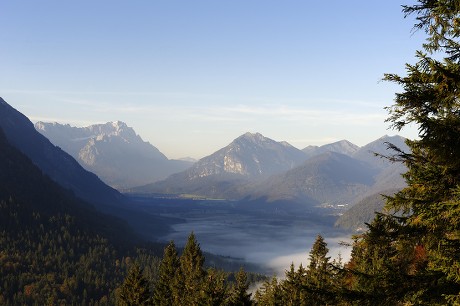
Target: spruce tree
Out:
[318,268]
[135,289]
[415,254]
[192,276]
[318,275]
[291,287]
[239,295]
[269,293]
[214,288]
[166,291]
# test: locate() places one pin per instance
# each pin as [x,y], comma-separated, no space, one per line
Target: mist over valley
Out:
[256,200]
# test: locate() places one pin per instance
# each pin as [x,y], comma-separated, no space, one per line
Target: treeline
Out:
[53,261]
[183,280]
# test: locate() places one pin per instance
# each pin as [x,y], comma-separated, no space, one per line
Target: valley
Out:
[268,236]
[257,203]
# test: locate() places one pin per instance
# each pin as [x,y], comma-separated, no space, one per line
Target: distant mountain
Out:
[188,159]
[248,158]
[363,211]
[257,168]
[331,178]
[334,178]
[388,181]
[53,161]
[343,147]
[114,152]
[379,146]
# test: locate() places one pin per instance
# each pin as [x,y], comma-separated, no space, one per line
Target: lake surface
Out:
[268,234]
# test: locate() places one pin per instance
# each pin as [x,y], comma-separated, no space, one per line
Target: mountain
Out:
[331,178]
[56,249]
[343,147]
[257,168]
[248,158]
[388,181]
[54,162]
[114,152]
[363,211]
[379,146]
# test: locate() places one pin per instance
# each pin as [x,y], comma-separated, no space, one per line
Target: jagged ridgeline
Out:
[114,152]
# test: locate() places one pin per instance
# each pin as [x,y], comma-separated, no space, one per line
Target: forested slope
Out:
[54,247]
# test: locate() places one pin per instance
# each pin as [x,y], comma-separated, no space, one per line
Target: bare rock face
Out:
[114,152]
[249,158]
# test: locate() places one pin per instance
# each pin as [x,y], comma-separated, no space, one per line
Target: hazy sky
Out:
[190,76]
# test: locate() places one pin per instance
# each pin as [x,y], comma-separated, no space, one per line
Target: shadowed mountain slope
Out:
[327,178]
[363,211]
[53,161]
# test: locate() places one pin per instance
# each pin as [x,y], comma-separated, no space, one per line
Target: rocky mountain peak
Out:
[254,137]
[114,128]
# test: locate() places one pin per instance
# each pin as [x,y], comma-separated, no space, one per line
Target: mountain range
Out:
[114,152]
[252,167]
[342,146]
[256,168]
[250,157]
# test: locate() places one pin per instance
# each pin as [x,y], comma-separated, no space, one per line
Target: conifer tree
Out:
[214,291]
[291,287]
[269,293]
[318,268]
[191,278]
[415,255]
[135,289]
[239,295]
[318,275]
[166,289]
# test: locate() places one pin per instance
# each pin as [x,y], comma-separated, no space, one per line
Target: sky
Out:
[191,76]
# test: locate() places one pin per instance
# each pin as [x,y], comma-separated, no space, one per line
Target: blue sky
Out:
[190,76]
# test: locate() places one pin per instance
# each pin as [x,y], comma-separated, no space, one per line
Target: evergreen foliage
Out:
[239,295]
[269,293]
[54,248]
[413,257]
[166,287]
[135,289]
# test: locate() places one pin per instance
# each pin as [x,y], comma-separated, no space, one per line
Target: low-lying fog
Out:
[270,237]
